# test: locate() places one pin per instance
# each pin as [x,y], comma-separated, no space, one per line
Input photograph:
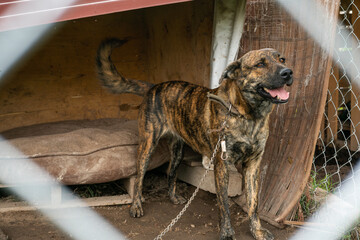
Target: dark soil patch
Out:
[200,221]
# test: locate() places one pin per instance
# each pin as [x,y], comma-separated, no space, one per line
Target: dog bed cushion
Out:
[84,151]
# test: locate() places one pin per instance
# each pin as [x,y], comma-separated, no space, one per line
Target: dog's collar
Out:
[227,105]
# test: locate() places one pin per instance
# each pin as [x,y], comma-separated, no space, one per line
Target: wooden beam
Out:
[88,202]
[57,202]
[355,105]
[129,184]
[332,114]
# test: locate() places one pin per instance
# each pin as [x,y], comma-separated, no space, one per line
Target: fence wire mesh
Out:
[337,149]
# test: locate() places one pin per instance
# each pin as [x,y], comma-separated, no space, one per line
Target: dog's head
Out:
[262,74]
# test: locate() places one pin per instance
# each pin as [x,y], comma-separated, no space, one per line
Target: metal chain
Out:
[177,218]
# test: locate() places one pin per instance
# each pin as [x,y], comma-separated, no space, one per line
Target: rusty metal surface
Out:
[18,14]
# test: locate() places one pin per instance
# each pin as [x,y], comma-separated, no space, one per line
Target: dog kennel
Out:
[55,86]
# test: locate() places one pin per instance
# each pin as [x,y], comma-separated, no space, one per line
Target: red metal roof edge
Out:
[25,13]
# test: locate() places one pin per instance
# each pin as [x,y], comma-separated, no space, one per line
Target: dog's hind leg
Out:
[147,144]
[177,154]
[221,184]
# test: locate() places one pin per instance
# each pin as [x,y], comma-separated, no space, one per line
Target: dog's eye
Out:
[260,64]
[282,60]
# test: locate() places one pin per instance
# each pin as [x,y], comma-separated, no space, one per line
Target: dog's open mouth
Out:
[276,95]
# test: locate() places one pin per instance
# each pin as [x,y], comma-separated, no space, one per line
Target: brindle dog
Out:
[186,112]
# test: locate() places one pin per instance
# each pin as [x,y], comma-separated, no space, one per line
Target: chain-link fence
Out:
[337,149]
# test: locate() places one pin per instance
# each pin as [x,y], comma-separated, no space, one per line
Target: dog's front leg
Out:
[221,183]
[252,174]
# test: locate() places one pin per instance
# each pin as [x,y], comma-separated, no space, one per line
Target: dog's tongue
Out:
[280,92]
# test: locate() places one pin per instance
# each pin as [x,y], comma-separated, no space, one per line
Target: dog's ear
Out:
[232,71]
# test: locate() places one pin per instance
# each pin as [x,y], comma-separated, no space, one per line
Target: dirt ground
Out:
[200,221]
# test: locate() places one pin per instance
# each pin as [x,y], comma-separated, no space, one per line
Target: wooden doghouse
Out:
[53,101]
[173,42]
[58,81]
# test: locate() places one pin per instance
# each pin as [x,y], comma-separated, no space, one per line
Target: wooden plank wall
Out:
[180,42]
[58,81]
[294,127]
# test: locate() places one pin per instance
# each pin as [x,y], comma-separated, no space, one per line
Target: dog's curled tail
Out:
[110,77]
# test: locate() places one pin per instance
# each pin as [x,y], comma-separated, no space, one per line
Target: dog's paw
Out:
[136,209]
[177,199]
[227,238]
[263,234]
[227,234]
[267,235]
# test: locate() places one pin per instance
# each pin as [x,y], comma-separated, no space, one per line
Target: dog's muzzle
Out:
[287,74]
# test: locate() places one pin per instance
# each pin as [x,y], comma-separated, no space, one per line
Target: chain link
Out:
[177,218]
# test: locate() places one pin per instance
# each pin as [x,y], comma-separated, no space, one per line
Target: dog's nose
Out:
[286,74]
